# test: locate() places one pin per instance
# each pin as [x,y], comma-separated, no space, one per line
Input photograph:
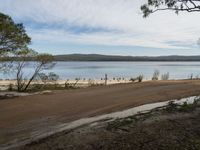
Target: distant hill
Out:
[97,57]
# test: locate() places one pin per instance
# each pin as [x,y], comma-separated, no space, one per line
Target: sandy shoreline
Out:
[4,84]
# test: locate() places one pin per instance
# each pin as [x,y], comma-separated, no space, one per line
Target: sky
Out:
[112,27]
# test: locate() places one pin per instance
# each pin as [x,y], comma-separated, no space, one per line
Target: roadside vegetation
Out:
[15,54]
[172,107]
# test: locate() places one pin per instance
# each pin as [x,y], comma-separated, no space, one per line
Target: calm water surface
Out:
[97,70]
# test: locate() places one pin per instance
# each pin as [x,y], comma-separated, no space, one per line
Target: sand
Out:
[157,131]
[71,81]
[24,116]
[4,84]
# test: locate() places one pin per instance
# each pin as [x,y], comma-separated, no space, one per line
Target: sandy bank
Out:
[4,84]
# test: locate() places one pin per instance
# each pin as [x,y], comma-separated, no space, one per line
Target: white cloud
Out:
[117,15]
[102,38]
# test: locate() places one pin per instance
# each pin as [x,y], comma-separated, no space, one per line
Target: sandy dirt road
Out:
[22,116]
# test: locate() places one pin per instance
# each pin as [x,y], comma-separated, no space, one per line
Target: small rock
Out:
[46,92]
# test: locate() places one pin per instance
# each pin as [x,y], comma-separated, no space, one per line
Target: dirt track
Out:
[21,115]
[158,130]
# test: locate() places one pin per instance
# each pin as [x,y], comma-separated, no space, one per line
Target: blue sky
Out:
[113,27]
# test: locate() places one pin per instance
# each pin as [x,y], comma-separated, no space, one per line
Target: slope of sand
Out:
[24,116]
[4,84]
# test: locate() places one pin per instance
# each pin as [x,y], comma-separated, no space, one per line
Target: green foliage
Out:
[171,107]
[24,54]
[189,107]
[140,78]
[41,62]
[146,10]
[175,5]
[133,79]
[39,87]
[122,123]
[43,58]
[12,36]
[53,77]
[10,88]
[43,77]
[185,107]
[13,47]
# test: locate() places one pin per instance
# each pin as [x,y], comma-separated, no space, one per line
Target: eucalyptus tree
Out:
[175,5]
[12,35]
[30,58]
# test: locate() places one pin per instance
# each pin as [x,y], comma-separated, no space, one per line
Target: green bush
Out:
[10,88]
[140,78]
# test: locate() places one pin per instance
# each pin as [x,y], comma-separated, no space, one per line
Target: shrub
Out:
[77,79]
[140,78]
[90,82]
[132,79]
[165,76]
[185,107]
[43,77]
[51,77]
[10,88]
[172,106]
[156,75]
[191,76]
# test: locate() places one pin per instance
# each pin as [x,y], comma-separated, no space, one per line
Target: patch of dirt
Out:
[160,131]
[25,114]
[7,96]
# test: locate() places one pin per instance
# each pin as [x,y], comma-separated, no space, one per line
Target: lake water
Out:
[97,70]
